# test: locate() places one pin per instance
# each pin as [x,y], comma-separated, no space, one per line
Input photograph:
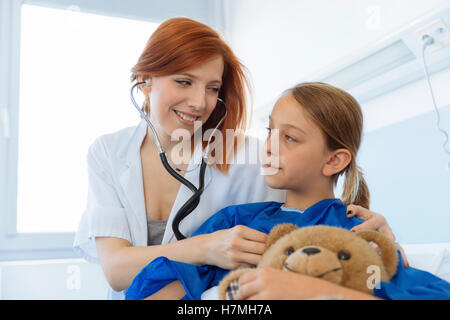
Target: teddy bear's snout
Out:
[309,251]
[315,261]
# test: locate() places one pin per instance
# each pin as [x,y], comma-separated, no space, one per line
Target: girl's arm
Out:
[273,284]
[228,249]
[374,221]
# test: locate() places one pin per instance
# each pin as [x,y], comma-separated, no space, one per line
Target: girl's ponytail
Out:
[355,189]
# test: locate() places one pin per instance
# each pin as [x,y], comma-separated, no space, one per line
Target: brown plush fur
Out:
[330,247]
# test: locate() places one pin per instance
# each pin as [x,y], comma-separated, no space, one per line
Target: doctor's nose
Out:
[198,100]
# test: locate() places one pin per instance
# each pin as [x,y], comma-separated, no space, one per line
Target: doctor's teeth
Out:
[182,115]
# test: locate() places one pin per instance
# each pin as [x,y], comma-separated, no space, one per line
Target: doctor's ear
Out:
[146,87]
[337,161]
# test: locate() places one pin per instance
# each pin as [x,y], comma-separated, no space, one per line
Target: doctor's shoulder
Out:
[114,144]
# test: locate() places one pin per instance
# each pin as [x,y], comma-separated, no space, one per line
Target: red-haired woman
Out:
[132,197]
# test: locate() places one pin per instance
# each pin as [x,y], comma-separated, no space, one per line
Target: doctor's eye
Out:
[289,251]
[214,89]
[183,82]
[344,255]
[269,130]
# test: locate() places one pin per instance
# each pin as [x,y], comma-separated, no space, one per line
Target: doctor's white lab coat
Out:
[116,206]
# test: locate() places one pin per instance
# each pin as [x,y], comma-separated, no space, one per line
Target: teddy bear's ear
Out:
[384,246]
[278,231]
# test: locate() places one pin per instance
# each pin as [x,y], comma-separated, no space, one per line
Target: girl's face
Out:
[297,162]
[177,100]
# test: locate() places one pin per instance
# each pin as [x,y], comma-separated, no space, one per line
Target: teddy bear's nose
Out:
[310,251]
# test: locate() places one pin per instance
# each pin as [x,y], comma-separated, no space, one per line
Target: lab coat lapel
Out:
[132,184]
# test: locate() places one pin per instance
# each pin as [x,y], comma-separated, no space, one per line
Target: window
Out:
[74,86]
[64,81]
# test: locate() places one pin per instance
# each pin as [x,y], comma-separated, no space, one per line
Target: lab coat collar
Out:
[131,180]
[132,183]
[127,154]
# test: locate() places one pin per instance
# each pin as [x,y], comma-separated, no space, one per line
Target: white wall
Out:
[52,279]
[407,102]
[284,41]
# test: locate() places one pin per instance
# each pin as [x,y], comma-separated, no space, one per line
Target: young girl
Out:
[318,132]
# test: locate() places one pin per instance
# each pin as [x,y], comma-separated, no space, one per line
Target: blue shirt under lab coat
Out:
[408,283]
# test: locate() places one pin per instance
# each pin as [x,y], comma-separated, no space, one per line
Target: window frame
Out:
[30,246]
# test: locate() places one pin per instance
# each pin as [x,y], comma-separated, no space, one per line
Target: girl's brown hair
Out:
[340,118]
[179,44]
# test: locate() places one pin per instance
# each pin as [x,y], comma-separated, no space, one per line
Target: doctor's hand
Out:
[374,221]
[236,247]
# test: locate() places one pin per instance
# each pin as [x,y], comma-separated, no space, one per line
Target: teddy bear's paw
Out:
[232,290]
[229,285]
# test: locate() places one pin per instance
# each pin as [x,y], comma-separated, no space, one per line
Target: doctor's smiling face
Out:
[177,100]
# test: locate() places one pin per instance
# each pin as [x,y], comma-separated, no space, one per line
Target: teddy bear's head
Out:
[355,260]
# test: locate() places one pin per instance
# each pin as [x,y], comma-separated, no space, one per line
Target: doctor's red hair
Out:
[180,44]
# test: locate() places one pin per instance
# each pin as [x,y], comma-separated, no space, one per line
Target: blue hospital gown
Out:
[408,283]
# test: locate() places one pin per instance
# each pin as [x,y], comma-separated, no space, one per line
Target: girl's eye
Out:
[215,90]
[269,130]
[289,138]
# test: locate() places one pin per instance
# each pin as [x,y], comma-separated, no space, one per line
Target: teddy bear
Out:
[356,260]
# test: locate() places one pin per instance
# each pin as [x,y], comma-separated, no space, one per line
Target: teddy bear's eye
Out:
[289,251]
[343,255]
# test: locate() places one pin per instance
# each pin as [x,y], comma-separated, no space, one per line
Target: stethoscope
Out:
[194,200]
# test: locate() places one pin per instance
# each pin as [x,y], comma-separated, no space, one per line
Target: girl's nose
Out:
[267,146]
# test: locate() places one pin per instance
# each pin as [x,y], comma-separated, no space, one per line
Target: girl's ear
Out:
[338,160]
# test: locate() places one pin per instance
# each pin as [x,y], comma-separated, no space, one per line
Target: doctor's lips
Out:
[186,116]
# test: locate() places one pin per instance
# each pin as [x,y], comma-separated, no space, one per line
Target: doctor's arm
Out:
[121,261]
[173,291]
[228,249]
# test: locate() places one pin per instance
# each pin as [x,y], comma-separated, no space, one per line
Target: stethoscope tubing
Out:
[194,200]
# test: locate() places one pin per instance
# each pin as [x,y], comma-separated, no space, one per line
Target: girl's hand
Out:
[273,284]
[374,221]
[232,248]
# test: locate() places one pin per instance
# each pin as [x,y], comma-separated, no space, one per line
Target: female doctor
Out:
[132,198]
